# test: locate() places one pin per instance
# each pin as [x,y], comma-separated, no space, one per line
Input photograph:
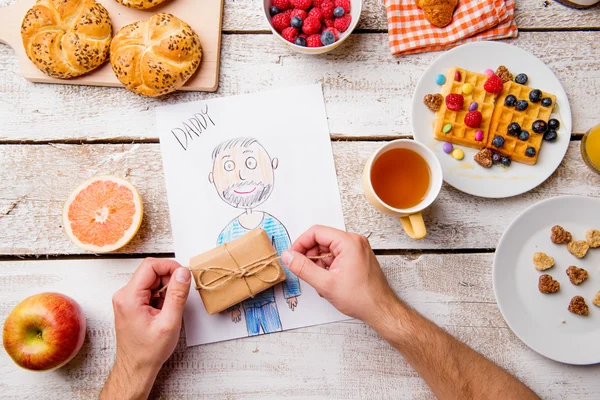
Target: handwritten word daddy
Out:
[198,123]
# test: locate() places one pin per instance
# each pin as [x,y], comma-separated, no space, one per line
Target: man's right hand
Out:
[351,273]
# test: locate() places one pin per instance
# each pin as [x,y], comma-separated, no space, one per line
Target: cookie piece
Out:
[560,235]
[577,275]
[484,158]
[433,101]
[504,74]
[593,238]
[596,300]
[578,248]
[548,285]
[578,306]
[542,261]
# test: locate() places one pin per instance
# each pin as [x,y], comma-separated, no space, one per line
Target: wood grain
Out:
[368,92]
[36,179]
[343,360]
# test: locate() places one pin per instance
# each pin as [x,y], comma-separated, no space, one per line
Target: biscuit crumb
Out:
[578,248]
[542,261]
[596,300]
[577,275]
[548,285]
[504,74]
[560,235]
[484,158]
[593,238]
[433,101]
[578,306]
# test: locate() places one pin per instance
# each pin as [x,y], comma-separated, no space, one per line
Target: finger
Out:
[149,270]
[177,293]
[305,269]
[318,235]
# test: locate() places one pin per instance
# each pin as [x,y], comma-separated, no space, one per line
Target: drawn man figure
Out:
[243,174]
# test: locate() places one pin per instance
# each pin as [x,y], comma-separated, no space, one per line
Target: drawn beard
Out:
[259,195]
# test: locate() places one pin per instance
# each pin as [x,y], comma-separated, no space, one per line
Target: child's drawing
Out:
[243,174]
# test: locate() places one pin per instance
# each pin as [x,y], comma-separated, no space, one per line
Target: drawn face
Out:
[243,176]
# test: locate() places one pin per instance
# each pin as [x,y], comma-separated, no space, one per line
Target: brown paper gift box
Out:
[236,271]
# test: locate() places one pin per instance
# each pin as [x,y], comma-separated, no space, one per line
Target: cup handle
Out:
[414,226]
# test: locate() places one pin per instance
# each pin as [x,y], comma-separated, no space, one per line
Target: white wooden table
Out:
[54,136]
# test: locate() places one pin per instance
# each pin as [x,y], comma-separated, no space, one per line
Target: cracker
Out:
[593,238]
[560,235]
[577,275]
[578,306]
[578,248]
[542,261]
[548,285]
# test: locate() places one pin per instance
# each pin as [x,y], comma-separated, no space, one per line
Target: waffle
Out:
[460,133]
[503,115]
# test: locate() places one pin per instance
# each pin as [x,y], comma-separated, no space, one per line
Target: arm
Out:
[281,241]
[356,286]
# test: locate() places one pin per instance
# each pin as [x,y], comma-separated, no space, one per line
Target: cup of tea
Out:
[402,179]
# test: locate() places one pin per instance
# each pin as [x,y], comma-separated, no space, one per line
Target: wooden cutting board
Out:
[204,16]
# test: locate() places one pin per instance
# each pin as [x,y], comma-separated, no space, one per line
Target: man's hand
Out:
[292,302]
[236,315]
[351,273]
[147,327]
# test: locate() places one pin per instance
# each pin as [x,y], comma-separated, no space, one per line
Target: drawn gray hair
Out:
[228,144]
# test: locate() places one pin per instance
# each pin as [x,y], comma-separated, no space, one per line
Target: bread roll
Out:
[140,4]
[438,12]
[66,38]
[157,56]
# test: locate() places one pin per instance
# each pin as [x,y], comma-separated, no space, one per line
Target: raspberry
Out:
[290,34]
[302,4]
[342,23]
[299,13]
[455,102]
[288,13]
[335,32]
[493,84]
[311,25]
[327,6]
[314,41]
[303,35]
[329,23]
[473,119]
[317,13]
[345,4]
[280,21]
[317,3]
[281,4]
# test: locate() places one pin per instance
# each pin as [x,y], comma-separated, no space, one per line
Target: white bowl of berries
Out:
[312,26]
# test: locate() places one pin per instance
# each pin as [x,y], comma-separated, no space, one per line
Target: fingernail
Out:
[182,275]
[287,258]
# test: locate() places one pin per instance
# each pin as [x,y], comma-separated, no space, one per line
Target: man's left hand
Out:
[292,302]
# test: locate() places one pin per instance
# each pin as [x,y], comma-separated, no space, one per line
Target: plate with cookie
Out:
[546,277]
[496,116]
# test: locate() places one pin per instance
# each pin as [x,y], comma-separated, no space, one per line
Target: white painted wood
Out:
[367,91]
[339,361]
[38,178]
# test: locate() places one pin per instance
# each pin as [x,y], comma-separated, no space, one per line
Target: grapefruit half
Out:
[103,214]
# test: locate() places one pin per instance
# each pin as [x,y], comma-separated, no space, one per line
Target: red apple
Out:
[44,331]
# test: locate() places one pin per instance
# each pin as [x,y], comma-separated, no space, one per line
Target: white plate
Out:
[537,318]
[467,175]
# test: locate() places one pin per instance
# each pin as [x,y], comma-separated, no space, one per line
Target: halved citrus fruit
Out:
[103,214]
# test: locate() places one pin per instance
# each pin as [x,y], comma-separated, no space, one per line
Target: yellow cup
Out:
[411,218]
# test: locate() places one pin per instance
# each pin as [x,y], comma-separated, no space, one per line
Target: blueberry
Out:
[521,79]
[505,161]
[553,124]
[522,105]
[300,41]
[274,10]
[513,129]
[550,135]
[535,95]
[530,152]
[546,101]
[524,135]
[510,100]
[539,126]
[338,12]
[496,158]
[498,141]
[296,22]
[327,38]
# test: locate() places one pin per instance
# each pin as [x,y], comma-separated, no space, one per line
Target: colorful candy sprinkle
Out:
[479,136]
[440,79]
[447,128]
[458,154]
[467,88]
[488,72]
[447,147]
[457,76]
[473,106]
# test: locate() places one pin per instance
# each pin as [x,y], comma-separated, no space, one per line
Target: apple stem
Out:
[39,335]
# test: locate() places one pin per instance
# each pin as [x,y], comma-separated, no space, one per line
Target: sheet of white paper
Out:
[292,154]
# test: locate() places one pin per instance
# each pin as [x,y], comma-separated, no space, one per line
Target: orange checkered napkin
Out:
[474,20]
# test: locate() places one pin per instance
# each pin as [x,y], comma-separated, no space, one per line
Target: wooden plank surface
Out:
[36,179]
[341,361]
[367,91]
